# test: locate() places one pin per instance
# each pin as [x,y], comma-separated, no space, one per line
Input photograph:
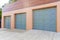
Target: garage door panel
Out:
[7,22]
[21,21]
[45,19]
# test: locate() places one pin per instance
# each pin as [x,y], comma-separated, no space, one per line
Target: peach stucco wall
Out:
[29,18]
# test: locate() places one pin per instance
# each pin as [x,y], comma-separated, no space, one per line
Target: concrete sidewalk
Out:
[29,35]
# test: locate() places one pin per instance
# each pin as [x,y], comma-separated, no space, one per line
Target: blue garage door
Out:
[45,19]
[21,21]
[8,22]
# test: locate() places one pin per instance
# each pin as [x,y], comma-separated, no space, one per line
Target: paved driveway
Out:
[28,35]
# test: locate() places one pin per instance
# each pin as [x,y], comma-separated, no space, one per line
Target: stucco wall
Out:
[29,17]
[25,3]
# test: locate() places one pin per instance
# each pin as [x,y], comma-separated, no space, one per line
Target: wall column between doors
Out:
[12,21]
[58,17]
[29,20]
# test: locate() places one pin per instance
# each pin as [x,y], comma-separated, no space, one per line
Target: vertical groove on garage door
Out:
[7,22]
[45,19]
[21,21]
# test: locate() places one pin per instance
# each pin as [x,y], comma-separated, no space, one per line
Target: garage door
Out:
[21,21]
[45,19]
[8,22]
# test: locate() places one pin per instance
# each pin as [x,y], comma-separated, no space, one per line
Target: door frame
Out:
[10,21]
[44,8]
[15,17]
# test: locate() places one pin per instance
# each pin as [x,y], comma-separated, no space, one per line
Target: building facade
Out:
[32,14]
